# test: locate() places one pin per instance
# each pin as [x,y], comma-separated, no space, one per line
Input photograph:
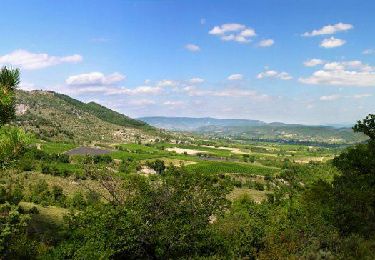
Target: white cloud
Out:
[142,102]
[32,61]
[330,98]
[368,51]
[94,79]
[233,32]
[332,43]
[359,96]
[266,43]
[27,86]
[167,83]
[329,29]
[343,73]
[173,103]
[203,21]
[196,80]
[336,97]
[192,47]
[313,62]
[274,74]
[232,92]
[141,90]
[235,77]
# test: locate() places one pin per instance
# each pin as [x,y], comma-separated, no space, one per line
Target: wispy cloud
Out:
[235,77]
[196,80]
[330,98]
[368,51]
[266,43]
[192,47]
[329,29]
[33,61]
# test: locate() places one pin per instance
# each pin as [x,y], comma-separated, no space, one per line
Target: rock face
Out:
[21,109]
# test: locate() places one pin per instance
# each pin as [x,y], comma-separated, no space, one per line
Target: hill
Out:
[58,117]
[255,130]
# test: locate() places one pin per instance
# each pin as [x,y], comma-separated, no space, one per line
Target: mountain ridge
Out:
[58,117]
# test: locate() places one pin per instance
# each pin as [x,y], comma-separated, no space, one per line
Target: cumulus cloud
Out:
[329,29]
[343,73]
[32,61]
[313,62]
[192,47]
[332,43]
[274,74]
[266,43]
[196,80]
[235,77]
[94,79]
[233,32]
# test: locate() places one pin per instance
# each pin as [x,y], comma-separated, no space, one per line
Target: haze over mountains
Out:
[196,123]
[256,130]
[192,123]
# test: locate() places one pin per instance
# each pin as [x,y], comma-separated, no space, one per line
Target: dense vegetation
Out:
[104,113]
[56,117]
[257,201]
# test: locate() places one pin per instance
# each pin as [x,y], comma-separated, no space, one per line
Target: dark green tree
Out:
[9,81]
[354,189]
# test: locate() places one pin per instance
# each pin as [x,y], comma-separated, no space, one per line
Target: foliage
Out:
[13,142]
[9,80]
[166,219]
[157,165]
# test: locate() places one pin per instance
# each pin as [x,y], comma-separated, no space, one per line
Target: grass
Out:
[256,195]
[231,167]
[50,214]
[51,147]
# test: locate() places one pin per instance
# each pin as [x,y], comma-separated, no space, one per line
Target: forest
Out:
[181,197]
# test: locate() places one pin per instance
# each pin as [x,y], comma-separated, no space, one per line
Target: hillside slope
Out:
[58,117]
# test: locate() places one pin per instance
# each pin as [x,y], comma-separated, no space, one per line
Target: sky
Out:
[292,61]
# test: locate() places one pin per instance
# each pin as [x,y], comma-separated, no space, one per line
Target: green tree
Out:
[164,219]
[9,80]
[354,190]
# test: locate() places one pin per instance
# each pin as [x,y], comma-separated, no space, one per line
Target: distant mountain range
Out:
[246,129]
[195,123]
[192,124]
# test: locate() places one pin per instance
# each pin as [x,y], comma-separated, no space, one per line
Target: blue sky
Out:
[303,61]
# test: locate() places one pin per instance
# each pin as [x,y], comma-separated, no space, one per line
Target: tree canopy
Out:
[9,81]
